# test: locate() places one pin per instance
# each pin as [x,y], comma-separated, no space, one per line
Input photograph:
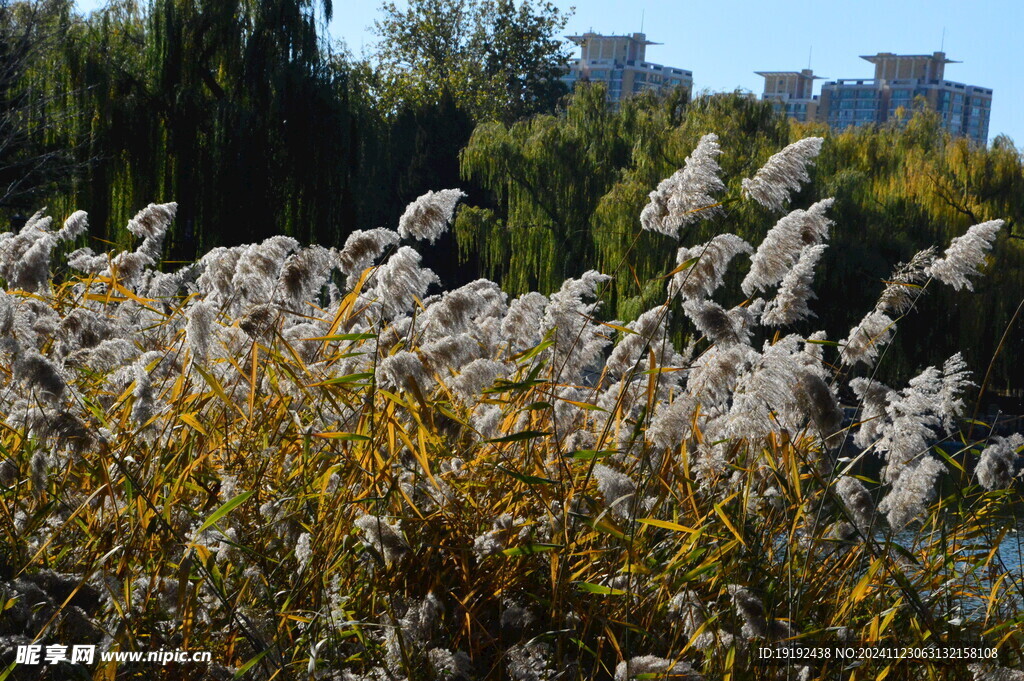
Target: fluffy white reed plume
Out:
[579,342]
[363,247]
[486,421]
[784,243]
[916,414]
[955,381]
[39,222]
[965,255]
[625,395]
[476,376]
[492,542]
[84,260]
[216,271]
[451,352]
[151,225]
[692,614]
[911,493]
[13,246]
[672,423]
[299,337]
[815,351]
[105,356]
[713,375]
[7,312]
[303,550]
[867,339]
[997,466]
[304,273]
[522,326]
[152,221]
[991,672]
[163,285]
[720,326]
[82,327]
[496,539]
[569,418]
[34,322]
[899,294]
[650,331]
[25,256]
[707,271]
[450,665]
[259,320]
[783,173]
[199,329]
[427,217]
[400,281]
[39,470]
[384,537]
[257,269]
[857,500]
[755,621]
[396,371]
[817,406]
[653,667]
[780,391]
[75,226]
[32,271]
[456,311]
[874,399]
[790,303]
[685,197]
[765,391]
[39,373]
[617,488]
[421,619]
[530,661]
[142,410]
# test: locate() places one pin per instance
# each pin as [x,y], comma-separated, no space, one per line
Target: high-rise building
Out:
[620,62]
[899,80]
[792,93]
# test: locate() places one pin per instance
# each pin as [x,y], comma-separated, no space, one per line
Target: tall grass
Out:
[299,460]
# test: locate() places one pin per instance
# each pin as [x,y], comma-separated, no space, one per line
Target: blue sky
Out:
[725,41]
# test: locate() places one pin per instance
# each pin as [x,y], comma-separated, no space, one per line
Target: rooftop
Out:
[769,74]
[938,56]
[638,37]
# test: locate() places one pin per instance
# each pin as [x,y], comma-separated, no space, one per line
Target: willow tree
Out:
[568,191]
[909,184]
[35,151]
[546,174]
[569,188]
[236,109]
[661,137]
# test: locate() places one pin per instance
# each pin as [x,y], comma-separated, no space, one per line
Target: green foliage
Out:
[242,113]
[496,58]
[547,174]
[567,190]
[35,157]
[907,186]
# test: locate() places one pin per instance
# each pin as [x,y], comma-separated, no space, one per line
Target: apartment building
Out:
[792,93]
[621,63]
[898,81]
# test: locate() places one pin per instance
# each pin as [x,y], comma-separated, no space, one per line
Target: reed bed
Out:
[307,462]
